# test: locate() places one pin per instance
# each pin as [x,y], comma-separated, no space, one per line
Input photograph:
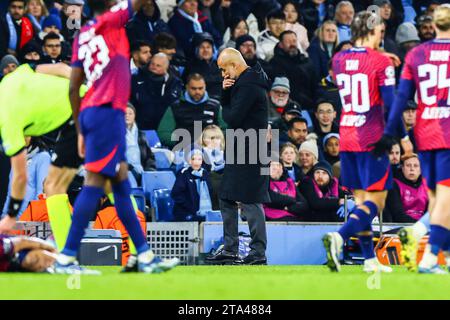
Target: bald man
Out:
[153,90]
[244,103]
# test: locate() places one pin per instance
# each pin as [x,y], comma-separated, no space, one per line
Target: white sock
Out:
[419,230]
[371,261]
[64,260]
[447,258]
[146,257]
[429,259]
[340,241]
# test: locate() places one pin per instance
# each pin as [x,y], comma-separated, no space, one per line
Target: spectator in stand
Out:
[297,132]
[316,12]
[289,62]
[395,158]
[218,12]
[16,30]
[344,16]
[331,148]
[139,155]
[279,98]
[191,191]
[146,23]
[328,90]
[409,120]
[141,54]
[291,11]
[259,8]
[212,142]
[38,162]
[391,17]
[167,44]
[407,201]
[325,117]
[290,112]
[238,28]
[8,64]
[268,39]
[153,90]
[407,38]
[286,202]
[323,46]
[205,63]
[31,53]
[187,21]
[425,27]
[308,154]
[246,45]
[52,48]
[289,158]
[324,195]
[387,43]
[36,11]
[195,105]
[72,18]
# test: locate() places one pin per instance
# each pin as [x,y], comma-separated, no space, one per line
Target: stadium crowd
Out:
[176,82]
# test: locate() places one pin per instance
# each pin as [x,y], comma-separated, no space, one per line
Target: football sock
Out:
[421,227]
[361,223]
[60,217]
[366,244]
[438,238]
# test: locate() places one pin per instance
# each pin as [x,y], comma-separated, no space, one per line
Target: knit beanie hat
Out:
[310,145]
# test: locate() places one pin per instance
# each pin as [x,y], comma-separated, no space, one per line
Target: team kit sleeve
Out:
[386,81]
[394,126]
[13,139]
[119,15]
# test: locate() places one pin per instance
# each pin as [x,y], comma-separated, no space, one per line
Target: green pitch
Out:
[204,282]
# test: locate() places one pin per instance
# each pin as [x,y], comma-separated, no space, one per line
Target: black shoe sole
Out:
[330,261]
[220,263]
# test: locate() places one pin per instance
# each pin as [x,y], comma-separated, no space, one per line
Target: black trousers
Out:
[254,213]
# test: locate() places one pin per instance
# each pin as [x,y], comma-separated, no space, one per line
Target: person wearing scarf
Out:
[187,21]
[191,191]
[16,29]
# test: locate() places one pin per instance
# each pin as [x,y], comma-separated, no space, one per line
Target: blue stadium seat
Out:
[162,162]
[213,216]
[163,205]
[152,139]
[154,180]
[139,196]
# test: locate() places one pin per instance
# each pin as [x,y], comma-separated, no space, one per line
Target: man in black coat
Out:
[290,63]
[244,186]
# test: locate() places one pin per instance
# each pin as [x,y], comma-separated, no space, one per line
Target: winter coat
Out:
[183,30]
[245,107]
[324,202]
[301,74]
[185,195]
[151,95]
[143,28]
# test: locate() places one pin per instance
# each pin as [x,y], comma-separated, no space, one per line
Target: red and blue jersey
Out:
[427,69]
[360,74]
[102,50]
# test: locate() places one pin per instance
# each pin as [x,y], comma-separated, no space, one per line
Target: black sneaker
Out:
[253,260]
[132,265]
[221,257]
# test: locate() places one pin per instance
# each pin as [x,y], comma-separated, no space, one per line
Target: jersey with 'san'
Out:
[359,74]
[427,65]
[102,50]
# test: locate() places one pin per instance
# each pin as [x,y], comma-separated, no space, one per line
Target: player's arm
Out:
[57,69]
[77,78]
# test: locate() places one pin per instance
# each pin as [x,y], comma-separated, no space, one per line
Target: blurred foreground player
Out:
[101,56]
[427,72]
[366,80]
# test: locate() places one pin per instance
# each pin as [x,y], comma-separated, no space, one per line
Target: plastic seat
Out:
[153,139]
[162,162]
[139,196]
[154,180]
[213,216]
[163,205]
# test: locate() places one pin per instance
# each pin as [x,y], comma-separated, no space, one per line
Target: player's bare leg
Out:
[58,206]
[440,217]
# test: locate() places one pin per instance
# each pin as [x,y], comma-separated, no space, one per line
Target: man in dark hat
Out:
[246,45]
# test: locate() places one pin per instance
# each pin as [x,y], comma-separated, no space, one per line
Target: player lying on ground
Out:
[101,57]
[427,72]
[366,81]
[18,254]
